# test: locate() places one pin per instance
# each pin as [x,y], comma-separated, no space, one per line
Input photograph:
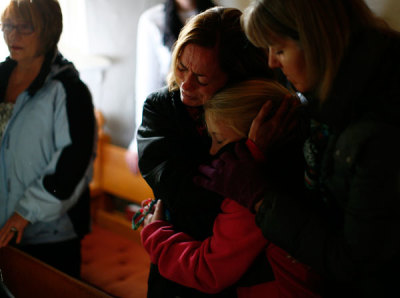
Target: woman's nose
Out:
[273,62]
[188,82]
[214,149]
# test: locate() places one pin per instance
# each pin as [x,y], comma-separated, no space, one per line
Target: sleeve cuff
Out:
[153,227]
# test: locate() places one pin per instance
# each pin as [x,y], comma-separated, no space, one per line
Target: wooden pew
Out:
[26,276]
[113,177]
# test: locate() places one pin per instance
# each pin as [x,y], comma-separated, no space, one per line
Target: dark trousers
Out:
[64,256]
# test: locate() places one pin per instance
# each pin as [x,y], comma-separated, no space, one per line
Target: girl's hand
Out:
[157,215]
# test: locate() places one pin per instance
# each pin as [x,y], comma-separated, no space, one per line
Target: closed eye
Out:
[201,83]
[181,67]
[216,139]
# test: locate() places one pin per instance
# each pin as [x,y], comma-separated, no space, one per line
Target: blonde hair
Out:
[220,28]
[238,105]
[322,28]
[44,15]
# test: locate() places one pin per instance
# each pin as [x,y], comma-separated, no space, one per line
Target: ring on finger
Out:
[13,229]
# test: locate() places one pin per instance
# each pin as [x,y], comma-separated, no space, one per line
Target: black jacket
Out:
[349,228]
[171,148]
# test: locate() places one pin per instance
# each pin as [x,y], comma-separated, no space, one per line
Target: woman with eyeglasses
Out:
[47,134]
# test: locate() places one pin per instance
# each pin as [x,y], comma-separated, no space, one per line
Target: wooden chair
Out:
[112,177]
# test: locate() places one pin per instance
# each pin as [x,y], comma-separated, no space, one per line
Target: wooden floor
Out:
[116,264]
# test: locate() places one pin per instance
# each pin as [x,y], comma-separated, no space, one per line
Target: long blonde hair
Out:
[237,105]
[322,28]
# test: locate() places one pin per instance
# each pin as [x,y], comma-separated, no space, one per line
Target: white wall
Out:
[241,4]
[387,9]
[112,33]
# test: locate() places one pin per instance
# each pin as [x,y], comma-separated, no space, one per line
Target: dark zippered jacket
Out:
[349,229]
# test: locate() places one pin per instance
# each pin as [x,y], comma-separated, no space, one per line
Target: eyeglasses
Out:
[24,29]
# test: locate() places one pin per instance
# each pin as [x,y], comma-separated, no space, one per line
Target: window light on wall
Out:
[3,48]
[74,36]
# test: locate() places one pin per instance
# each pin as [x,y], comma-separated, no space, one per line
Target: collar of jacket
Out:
[52,58]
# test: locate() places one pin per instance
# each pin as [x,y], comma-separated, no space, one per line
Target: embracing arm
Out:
[170,150]
[214,263]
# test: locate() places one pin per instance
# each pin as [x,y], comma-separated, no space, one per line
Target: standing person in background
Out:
[47,133]
[346,61]
[158,29]
[211,51]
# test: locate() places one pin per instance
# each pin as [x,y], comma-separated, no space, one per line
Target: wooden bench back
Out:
[26,276]
[111,172]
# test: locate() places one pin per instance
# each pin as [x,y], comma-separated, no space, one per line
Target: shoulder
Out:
[78,96]
[5,71]
[162,98]
[65,72]
[165,108]
[154,15]
[7,64]
[379,50]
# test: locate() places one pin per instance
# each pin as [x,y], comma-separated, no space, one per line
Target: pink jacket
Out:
[220,260]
